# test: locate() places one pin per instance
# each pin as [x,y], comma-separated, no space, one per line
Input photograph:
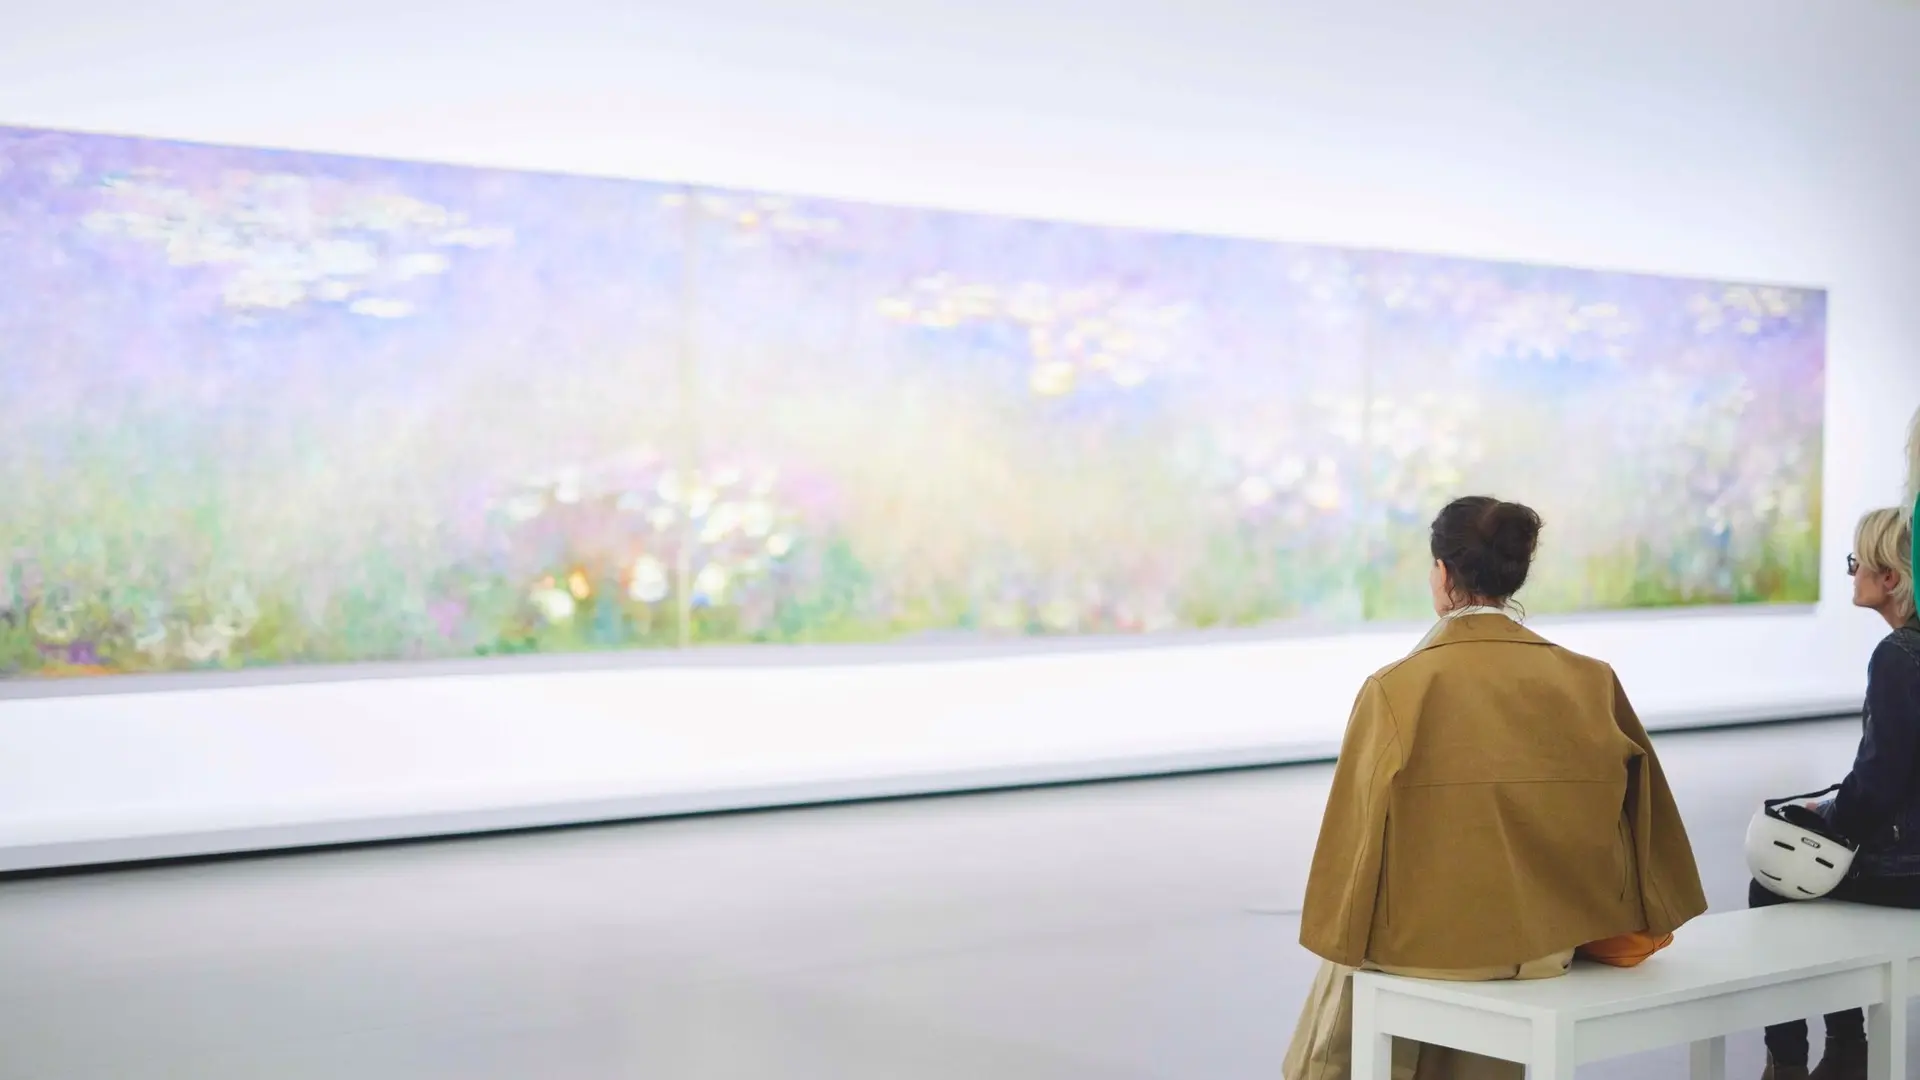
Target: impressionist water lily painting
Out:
[265,407]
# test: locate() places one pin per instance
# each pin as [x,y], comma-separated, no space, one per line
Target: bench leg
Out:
[1552,1051]
[1887,1028]
[1372,1051]
[1709,1060]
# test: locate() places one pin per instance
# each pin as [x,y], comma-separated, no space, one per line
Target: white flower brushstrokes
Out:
[1549,326]
[1073,334]
[1522,323]
[1747,310]
[287,240]
[754,220]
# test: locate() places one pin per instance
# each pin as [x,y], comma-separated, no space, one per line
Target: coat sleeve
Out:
[1879,785]
[1669,881]
[1337,918]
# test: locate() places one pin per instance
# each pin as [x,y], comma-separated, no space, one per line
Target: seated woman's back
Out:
[1496,800]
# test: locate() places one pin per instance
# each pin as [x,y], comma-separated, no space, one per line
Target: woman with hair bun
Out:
[1496,807]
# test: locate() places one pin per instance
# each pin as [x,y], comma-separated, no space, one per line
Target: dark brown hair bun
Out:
[1486,545]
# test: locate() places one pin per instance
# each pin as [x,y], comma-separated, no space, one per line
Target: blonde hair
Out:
[1884,541]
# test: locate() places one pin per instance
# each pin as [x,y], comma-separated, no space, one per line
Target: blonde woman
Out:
[1496,806]
[1878,805]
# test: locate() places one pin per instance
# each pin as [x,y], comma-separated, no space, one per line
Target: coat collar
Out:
[1477,627]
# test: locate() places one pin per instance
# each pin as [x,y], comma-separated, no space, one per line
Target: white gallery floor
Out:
[1120,931]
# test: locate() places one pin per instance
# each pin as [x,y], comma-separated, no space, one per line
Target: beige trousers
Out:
[1323,1043]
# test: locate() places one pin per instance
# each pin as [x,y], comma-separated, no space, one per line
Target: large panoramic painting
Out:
[264,408]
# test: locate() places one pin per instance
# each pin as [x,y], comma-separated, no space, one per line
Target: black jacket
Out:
[1878,806]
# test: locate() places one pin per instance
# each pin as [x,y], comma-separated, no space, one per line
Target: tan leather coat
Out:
[1496,800]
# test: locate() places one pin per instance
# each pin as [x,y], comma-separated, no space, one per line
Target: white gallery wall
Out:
[1769,140]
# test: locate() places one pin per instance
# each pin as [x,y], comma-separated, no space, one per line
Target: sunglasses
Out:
[1853,565]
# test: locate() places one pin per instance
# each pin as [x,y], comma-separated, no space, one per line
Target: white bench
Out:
[1723,973]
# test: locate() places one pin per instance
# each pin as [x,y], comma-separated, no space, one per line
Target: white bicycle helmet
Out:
[1793,852]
